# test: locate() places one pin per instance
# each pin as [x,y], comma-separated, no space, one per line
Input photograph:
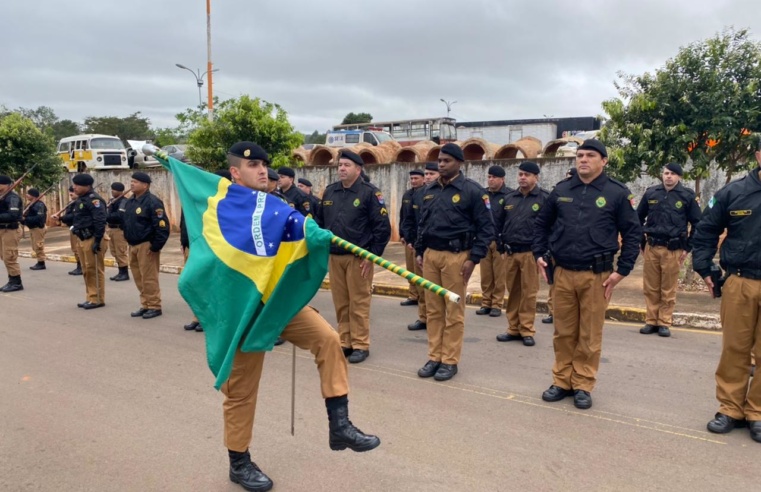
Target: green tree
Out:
[23,144]
[243,119]
[354,118]
[63,128]
[132,127]
[702,105]
[167,136]
[315,138]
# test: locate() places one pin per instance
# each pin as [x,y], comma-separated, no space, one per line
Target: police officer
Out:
[493,264]
[146,229]
[272,179]
[66,216]
[455,231]
[521,208]
[119,246]
[736,209]
[90,228]
[307,330]
[408,231]
[293,195]
[306,186]
[664,211]
[35,219]
[356,211]
[579,225]
[10,216]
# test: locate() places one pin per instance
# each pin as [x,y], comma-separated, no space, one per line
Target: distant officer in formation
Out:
[736,209]
[90,228]
[355,211]
[408,231]
[67,219]
[664,211]
[35,219]
[146,229]
[293,195]
[580,225]
[119,246]
[314,202]
[10,217]
[456,228]
[272,179]
[493,264]
[521,208]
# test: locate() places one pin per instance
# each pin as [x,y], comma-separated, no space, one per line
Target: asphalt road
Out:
[100,401]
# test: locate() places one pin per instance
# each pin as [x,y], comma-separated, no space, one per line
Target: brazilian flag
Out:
[254,263]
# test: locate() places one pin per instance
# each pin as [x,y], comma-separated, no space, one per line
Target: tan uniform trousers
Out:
[549,299]
[145,270]
[492,278]
[74,241]
[421,305]
[119,247]
[9,249]
[37,236]
[659,280]
[522,285]
[741,326]
[93,269]
[409,260]
[308,331]
[579,317]
[351,296]
[185,254]
[446,320]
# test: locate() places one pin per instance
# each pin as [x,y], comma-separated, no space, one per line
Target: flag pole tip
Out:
[453,297]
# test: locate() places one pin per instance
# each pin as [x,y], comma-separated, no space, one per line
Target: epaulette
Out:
[619,183]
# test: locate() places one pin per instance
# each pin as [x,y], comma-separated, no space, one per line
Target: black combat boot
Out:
[343,434]
[246,474]
[122,275]
[40,265]
[77,271]
[14,284]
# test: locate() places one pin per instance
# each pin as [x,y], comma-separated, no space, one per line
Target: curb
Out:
[614,313]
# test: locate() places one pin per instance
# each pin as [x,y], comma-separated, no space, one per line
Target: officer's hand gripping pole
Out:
[402,272]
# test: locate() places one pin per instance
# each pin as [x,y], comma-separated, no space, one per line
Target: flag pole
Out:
[293,391]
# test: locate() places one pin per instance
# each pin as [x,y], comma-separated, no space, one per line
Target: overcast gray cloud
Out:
[320,60]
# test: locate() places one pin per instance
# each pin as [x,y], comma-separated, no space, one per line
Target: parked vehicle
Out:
[92,151]
[176,150]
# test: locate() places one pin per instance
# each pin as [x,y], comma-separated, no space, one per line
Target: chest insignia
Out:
[679,204]
[456,198]
[600,202]
[535,207]
[356,202]
[138,210]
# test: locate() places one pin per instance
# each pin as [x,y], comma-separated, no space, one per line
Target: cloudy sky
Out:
[322,59]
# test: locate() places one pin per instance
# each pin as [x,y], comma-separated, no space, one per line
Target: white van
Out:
[82,152]
[350,138]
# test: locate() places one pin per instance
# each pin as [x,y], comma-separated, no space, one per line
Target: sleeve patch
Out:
[379,196]
[159,212]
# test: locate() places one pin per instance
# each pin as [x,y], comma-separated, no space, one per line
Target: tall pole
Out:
[199,83]
[208,56]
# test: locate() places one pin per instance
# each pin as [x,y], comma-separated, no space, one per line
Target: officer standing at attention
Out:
[353,210]
[736,209]
[493,264]
[146,229]
[408,231]
[455,231]
[306,187]
[293,195]
[90,228]
[272,179]
[579,225]
[35,219]
[664,212]
[10,216]
[119,246]
[521,209]
[67,218]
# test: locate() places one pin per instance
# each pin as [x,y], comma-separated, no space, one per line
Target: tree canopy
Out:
[353,118]
[132,127]
[22,145]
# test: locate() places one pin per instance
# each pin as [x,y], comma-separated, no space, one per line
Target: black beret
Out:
[272,174]
[305,182]
[497,171]
[529,167]
[225,173]
[33,192]
[417,172]
[454,150]
[71,189]
[250,151]
[572,171]
[117,186]
[355,158]
[594,144]
[142,177]
[83,180]
[432,166]
[5,180]
[675,168]
[286,171]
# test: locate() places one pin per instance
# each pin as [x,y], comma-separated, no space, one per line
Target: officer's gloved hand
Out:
[96,247]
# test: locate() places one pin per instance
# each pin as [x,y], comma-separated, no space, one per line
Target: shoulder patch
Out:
[159,212]
[379,196]
[485,198]
[96,203]
[631,200]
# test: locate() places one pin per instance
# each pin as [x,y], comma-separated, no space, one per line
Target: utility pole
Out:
[449,106]
[208,62]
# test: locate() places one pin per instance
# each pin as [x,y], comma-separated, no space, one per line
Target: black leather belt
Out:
[745,273]
[9,226]
[656,241]
[519,248]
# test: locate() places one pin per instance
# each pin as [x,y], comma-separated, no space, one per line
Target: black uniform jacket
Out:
[497,202]
[407,222]
[298,200]
[10,211]
[145,220]
[458,211]
[36,216]
[357,214]
[737,208]
[116,213]
[89,217]
[580,221]
[665,214]
[520,213]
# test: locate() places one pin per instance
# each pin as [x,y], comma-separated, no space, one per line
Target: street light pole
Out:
[199,80]
[449,105]
[208,59]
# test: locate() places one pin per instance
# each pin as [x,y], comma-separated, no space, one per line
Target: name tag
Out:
[427,197]
[509,207]
[740,213]
[565,199]
[327,203]
[652,202]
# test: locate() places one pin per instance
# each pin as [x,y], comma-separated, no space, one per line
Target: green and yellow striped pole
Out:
[402,272]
